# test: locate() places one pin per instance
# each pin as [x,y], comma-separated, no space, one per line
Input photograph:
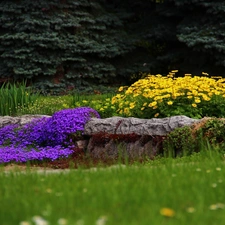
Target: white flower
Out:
[216,206]
[101,220]
[62,221]
[38,220]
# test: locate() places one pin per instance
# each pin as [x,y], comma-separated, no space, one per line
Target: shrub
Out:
[213,131]
[179,142]
[163,96]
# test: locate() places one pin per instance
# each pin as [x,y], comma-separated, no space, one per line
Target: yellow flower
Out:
[157,98]
[152,104]
[126,111]
[142,108]
[195,93]
[217,93]
[132,105]
[194,105]
[206,98]
[169,103]
[189,93]
[167,212]
[156,115]
[129,91]
[113,100]
[197,100]
[145,104]
[136,94]
[120,89]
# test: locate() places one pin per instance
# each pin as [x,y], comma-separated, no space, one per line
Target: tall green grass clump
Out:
[15,97]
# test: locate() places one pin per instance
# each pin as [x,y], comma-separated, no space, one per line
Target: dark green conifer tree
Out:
[60,43]
[191,34]
[202,30]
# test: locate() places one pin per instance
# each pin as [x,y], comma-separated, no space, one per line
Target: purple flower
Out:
[44,138]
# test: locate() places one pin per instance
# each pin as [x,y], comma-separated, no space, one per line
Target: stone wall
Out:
[116,137]
[133,138]
[21,120]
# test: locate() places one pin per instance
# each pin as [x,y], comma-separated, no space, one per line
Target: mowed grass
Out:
[188,190]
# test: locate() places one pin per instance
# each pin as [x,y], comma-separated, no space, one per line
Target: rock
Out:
[120,125]
[21,120]
[145,135]
[116,137]
[143,147]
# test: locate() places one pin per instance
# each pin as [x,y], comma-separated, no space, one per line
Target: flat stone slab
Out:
[121,125]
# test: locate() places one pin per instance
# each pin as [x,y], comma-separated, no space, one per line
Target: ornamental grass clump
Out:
[16,97]
[44,138]
[163,96]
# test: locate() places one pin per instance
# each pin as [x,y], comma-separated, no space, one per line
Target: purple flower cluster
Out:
[18,154]
[66,122]
[45,138]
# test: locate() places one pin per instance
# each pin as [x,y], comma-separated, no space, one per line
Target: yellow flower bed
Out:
[160,96]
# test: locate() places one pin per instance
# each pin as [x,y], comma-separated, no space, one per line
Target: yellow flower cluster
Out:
[157,89]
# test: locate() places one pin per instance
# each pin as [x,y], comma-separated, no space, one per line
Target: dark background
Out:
[83,45]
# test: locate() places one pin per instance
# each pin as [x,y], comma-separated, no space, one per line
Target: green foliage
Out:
[209,136]
[46,105]
[101,103]
[214,132]
[15,97]
[179,142]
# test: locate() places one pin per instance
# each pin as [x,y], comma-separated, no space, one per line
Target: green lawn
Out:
[192,188]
